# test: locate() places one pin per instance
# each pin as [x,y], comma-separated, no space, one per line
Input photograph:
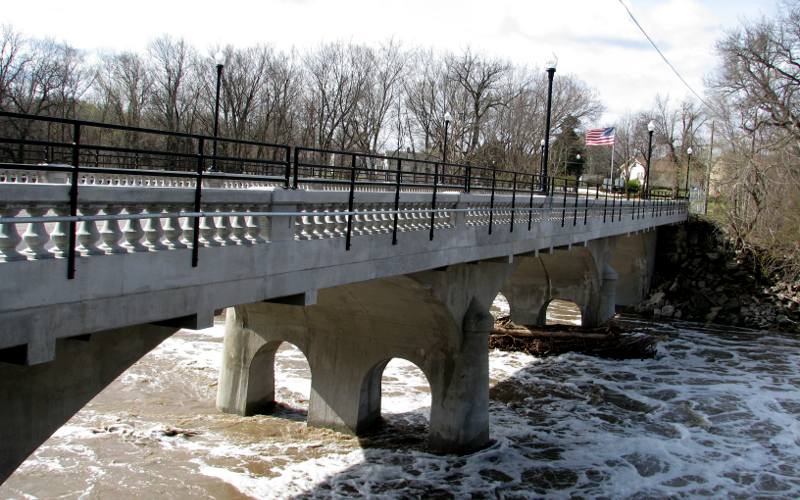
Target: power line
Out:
[674,70]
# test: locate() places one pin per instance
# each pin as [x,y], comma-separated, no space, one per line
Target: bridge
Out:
[112,238]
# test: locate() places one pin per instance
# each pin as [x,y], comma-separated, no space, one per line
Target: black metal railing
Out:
[75,147]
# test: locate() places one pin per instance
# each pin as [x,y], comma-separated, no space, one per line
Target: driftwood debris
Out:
[609,341]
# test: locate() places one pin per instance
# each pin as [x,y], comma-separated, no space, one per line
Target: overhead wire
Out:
[671,66]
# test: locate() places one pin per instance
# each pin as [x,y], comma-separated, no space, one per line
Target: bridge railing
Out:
[78,153]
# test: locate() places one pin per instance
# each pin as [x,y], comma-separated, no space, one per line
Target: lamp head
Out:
[542,143]
[651,126]
[447,117]
[219,58]
[551,63]
[689,151]
[577,156]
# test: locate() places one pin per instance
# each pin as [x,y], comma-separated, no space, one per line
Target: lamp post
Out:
[447,119]
[541,162]
[578,171]
[650,128]
[218,57]
[688,164]
[551,71]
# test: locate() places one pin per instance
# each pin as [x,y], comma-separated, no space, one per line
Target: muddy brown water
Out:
[716,414]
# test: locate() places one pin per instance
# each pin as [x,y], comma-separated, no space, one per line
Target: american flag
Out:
[600,137]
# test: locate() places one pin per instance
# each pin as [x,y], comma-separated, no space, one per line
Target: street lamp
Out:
[219,58]
[688,163]
[551,71]
[541,163]
[578,171]
[650,128]
[447,119]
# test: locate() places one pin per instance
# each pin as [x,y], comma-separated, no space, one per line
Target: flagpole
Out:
[613,146]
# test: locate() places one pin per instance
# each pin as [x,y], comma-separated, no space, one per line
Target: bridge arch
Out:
[374,388]
[262,385]
[559,311]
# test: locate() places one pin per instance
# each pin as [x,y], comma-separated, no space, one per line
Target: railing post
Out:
[296,162]
[564,204]
[433,200]
[198,193]
[288,172]
[577,198]
[397,200]
[349,200]
[513,201]
[73,198]
[605,206]
[586,206]
[468,179]
[613,206]
[530,203]
[596,191]
[491,200]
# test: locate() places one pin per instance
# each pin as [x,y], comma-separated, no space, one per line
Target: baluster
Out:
[329,230]
[110,232]
[253,229]
[358,221]
[340,229]
[36,236]
[224,227]
[386,220]
[153,232]
[187,228]
[60,236]
[173,230]
[238,228]
[371,220]
[87,233]
[303,225]
[208,232]
[413,217]
[318,224]
[402,219]
[132,232]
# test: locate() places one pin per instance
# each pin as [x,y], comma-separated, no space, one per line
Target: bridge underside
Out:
[439,320]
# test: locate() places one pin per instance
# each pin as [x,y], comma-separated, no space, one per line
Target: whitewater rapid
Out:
[717,414]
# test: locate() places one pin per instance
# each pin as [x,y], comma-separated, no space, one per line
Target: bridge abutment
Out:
[438,320]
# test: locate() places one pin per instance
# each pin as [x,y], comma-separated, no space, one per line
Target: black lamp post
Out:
[650,128]
[551,71]
[447,119]
[218,57]
[578,171]
[688,164]
[541,161]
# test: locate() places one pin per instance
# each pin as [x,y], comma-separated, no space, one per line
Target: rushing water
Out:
[717,413]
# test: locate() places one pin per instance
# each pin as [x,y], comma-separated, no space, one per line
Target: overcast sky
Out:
[593,39]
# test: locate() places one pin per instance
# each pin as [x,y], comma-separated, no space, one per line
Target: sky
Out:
[594,40]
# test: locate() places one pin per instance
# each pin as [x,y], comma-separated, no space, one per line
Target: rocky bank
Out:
[700,277]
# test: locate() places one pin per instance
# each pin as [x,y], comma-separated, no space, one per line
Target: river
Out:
[717,413]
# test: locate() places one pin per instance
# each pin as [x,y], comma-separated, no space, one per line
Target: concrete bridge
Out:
[354,273]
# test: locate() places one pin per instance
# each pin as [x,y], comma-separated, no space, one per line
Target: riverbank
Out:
[700,277]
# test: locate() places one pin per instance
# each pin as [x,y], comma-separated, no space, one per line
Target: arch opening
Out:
[281,376]
[500,307]
[563,312]
[396,403]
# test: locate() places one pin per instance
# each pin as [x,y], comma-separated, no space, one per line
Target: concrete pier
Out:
[438,320]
